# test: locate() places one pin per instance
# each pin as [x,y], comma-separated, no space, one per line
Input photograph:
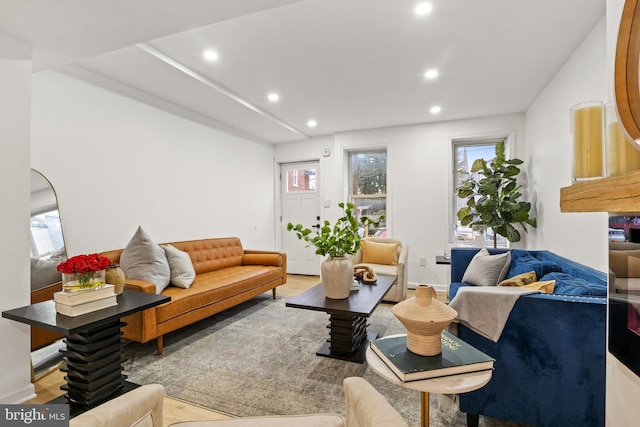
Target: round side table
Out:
[452,384]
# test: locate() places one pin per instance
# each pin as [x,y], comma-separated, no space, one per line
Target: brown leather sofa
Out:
[226,275]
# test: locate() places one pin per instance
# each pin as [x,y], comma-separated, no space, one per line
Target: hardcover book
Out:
[457,357]
[79,297]
[87,307]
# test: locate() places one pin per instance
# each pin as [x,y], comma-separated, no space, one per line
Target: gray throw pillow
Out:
[182,271]
[143,259]
[487,270]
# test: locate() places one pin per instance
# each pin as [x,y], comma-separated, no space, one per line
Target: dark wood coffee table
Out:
[348,335]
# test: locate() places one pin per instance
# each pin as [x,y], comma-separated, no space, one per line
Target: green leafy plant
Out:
[492,194]
[340,239]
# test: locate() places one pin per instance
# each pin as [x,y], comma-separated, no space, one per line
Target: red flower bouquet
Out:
[83,272]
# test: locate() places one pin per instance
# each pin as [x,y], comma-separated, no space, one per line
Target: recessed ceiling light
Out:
[431,74]
[312,123]
[423,8]
[273,97]
[210,55]
[435,109]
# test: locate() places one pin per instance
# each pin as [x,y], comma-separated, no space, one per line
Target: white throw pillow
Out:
[143,259]
[182,272]
[487,270]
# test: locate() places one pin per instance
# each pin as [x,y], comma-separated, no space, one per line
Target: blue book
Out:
[457,357]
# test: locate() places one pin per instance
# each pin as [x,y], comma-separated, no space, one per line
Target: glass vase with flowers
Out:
[83,272]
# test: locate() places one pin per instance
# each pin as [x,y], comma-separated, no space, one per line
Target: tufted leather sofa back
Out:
[206,254]
[212,254]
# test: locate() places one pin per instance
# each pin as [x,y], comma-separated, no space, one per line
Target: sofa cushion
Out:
[379,253]
[487,270]
[569,285]
[143,259]
[546,287]
[44,272]
[520,280]
[182,272]
[215,287]
[522,262]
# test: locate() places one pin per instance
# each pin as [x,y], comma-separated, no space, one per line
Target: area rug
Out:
[258,358]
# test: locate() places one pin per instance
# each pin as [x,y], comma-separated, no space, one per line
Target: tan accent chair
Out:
[142,407]
[398,292]
[365,407]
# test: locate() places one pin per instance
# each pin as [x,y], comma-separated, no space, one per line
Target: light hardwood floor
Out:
[176,410]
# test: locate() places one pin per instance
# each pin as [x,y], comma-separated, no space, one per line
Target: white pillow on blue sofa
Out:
[486,269]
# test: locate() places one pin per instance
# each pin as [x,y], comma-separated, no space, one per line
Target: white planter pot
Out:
[337,277]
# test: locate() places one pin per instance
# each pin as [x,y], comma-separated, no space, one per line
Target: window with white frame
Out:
[465,152]
[368,187]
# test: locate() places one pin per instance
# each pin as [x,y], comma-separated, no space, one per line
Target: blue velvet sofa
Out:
[550,358]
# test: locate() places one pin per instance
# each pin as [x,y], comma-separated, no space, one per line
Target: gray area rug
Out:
[259,359]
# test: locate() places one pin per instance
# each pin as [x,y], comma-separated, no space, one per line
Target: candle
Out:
[622,156]
[587,138]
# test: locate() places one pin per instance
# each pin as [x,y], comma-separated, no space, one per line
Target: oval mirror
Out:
[627,92]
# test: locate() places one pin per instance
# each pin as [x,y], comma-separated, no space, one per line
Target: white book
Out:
[79,297]
[87,307]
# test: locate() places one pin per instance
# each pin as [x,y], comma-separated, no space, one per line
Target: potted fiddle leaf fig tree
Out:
[337,243]
[493,197]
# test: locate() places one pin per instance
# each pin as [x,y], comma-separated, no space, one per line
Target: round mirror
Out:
[627,92]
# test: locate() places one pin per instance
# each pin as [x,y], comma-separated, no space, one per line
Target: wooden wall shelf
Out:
[616,194]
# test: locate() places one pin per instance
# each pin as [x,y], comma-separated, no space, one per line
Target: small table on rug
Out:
[451,384]
[93,353]
[348,335]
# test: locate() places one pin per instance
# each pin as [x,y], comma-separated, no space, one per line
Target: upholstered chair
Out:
[386,255]
[365,407]
[142,407]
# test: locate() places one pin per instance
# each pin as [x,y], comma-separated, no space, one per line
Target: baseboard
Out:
[439,287]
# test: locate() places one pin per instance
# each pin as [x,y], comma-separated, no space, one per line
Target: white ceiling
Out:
[349,64]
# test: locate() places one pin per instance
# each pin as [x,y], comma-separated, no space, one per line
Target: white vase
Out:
[337,276]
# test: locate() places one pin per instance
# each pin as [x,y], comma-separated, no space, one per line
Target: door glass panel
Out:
[301,180]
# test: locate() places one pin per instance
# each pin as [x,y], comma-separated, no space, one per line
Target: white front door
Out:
[300,205]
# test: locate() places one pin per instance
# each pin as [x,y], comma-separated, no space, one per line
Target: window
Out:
[465,152]
[368,187]
[46,233]
[301,180]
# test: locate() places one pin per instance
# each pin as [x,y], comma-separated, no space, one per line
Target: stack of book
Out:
[457,357]
[83,302]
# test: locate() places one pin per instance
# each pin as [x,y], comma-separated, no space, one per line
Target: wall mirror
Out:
[47,240]
[47,251]
[624,231]
[627,92]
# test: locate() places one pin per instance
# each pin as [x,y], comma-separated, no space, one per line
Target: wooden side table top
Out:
[361,302]
[44,315]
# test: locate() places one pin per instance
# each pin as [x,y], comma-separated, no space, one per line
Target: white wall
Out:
[116,163]
[419,179]
[15,176]
[586,76]
[579,236]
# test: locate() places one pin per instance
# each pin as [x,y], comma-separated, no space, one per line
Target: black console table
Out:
[93,353]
